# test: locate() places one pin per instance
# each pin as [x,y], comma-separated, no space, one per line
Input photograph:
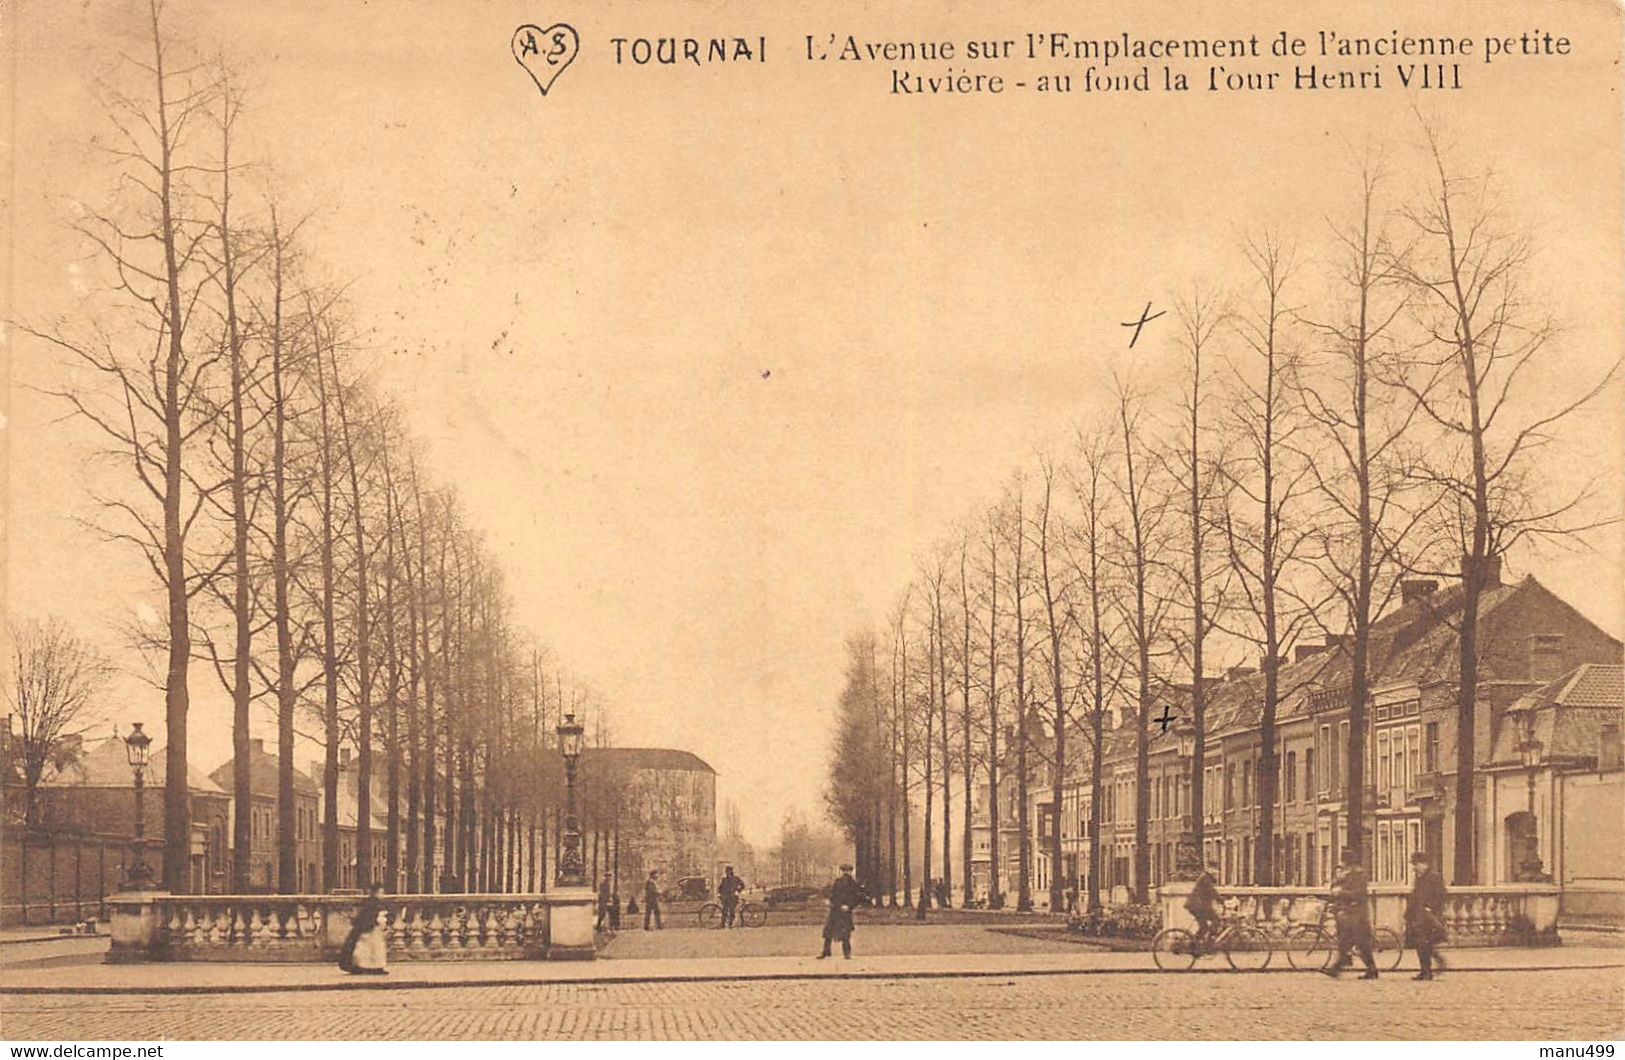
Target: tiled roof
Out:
[646,758]
[106,764]
[263,776]
[1569,714]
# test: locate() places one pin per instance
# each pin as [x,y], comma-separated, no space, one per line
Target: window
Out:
[1246,782]
[1384,773]
[1430,758]
[1338,745]
[1309,773]
[1229,786]
[1610,752]
[1413,753]
[1291,793]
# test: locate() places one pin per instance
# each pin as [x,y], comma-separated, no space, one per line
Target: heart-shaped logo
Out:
[544,53]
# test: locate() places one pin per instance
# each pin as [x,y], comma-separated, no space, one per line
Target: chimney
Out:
[1239,671]
[256,746]
[1546,657]
[1413,589]
[1300,652]
[344,758]
[1492,570]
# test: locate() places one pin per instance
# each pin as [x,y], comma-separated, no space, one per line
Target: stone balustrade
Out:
[1510,914]
[155,926]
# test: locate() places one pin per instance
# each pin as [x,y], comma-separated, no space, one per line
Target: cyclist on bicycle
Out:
[728,889]
[1203,906]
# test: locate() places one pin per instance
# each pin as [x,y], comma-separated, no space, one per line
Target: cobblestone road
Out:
[1566,1005]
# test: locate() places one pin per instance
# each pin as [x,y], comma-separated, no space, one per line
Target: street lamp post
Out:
[1187,858]
[136,748]
[571,871]
[1531,869]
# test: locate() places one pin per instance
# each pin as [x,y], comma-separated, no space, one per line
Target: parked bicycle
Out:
[1244,945]
[746,914]
[1313,947]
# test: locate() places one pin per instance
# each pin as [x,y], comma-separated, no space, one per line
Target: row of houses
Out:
[94,795]
[655,808]
[1549,769]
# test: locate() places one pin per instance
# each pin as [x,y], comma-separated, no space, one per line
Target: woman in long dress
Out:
[365,949]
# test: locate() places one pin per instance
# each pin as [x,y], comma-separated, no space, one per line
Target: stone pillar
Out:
[571,913]
[134,926]
[336,921]
[1171,896]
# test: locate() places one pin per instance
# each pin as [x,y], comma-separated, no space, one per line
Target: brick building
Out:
[1531,643]
[661,804]
[264,782]
[95,794]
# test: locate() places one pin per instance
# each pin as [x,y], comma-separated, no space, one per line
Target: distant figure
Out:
[365,951]
[728,890]
[1424,923]
[603,904]
[1072,897]
[844,896]
[944,897]
[615,911]
[1352,911]
[1203,906]
[651,901]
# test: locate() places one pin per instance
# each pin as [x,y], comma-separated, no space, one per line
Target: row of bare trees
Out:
[1373,404]
[308,559]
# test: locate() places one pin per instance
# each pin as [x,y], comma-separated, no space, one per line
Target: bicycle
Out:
[746,914]
[1313,947]
[1245,946]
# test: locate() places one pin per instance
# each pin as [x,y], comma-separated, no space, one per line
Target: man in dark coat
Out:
[844,896]
[1203,906]
[603,904]
[1424,908]
[651,901]
[728,890]
[1351,909]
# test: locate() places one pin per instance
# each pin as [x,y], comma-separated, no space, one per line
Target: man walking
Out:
[1424,906]
[1352,911]
[603,904]
[844,896]
[651,901]
[728,890]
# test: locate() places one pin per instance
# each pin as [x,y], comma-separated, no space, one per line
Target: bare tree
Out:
[1144,509]
[150,370]
[1054,595]
[55,675]
[1266,526]
[1363,525]
[1093,533]
[1484,342]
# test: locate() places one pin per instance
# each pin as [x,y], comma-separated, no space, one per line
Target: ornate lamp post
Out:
[571,872]
[136,748]
[1530,869]
[1187,857]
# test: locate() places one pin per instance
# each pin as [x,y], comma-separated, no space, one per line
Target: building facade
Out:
[1538,657]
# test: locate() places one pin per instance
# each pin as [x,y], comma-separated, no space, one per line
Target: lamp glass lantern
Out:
[137,747]
[571,733]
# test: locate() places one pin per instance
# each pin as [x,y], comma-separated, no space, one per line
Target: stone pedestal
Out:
[133,924]
[571,913]
[1541,906]
[1171,896]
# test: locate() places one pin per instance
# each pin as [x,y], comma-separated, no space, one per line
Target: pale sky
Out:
[711,354]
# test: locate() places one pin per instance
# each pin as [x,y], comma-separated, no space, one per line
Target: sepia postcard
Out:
[700,520]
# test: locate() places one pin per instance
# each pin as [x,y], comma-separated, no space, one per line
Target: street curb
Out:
[609,980]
